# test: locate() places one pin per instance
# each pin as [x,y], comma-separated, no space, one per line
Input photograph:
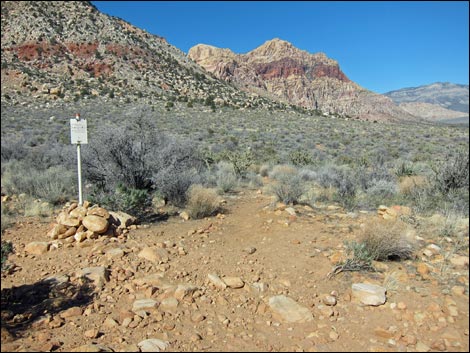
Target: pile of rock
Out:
[77,223]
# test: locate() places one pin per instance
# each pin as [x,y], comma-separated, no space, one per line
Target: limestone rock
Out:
[121,219]
[37,247]
[216,281]
[152,345]
[144,304]
[369,294]
[99,275]
[288,310]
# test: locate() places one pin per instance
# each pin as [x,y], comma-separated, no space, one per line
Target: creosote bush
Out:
[202,202]
[381,241]
[288,188]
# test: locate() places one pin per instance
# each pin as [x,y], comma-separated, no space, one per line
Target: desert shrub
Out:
[226,179]
[282,170]
[6,219]
[36,208]
[453,174]
[6,249]
[380,241]
[300,158]
[178,166]
[264,170]
[380,192]
[202,202]
[55,184]
[240,160]
[288,188]
[367,176]
[253,180]
[408,183]
[386,240]
[138,157]
[123,198]
[123,155]
[404,169]
[307,174]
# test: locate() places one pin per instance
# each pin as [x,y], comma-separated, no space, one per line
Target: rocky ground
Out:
[253,278]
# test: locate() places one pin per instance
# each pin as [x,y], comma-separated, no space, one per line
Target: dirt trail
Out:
[270,251]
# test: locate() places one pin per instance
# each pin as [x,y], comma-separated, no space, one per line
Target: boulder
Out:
[96,224]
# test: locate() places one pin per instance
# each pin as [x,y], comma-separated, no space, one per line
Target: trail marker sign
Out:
[78,136]
[78,130]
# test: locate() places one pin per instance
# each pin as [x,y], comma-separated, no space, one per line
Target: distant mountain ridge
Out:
[281,71]
[448,95]
[67,51]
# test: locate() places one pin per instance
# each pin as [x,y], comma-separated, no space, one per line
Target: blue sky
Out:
[380,45]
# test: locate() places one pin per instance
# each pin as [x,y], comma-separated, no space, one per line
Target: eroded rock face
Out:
[284,72]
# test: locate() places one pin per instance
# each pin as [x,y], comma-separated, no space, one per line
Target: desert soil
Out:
[268,252]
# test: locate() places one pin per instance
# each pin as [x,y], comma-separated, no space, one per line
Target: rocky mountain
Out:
[447,95]
[432,112]
[64,51]
[279,70]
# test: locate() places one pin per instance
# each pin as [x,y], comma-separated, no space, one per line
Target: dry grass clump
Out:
[409,183]
[387,240]
[202,202]
[382,240]
[283,170]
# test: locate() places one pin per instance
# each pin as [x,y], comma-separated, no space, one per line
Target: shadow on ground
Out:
[23,305]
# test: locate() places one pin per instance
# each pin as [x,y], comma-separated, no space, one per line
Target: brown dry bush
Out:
[202,202]
[387,240]
[409,183]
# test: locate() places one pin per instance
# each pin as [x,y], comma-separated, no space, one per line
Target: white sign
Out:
[78,131]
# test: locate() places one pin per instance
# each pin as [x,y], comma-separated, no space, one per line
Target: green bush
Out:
[300,158]
[226,179]
[133,201]
[240,160]
[288,188]
[453,174]
[6,249]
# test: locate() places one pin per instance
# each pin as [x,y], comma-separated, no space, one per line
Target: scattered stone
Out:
[369,294]
[459,261]
[184,290]
[152,345]
[73,311]
[184,215]
[422,268]
[115,252]
[169,304]
[216,281]
[99,275]
[154,254]
[121,220]
[234,282]
[141,304]
[250,250]
[288,310]
[37,247]
[329,300]
[92,333]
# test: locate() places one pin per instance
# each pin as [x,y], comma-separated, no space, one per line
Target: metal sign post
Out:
[78,135]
